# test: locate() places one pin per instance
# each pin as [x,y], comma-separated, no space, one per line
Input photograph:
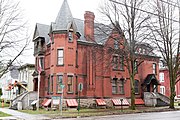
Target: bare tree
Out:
[127,14]
[165,27]
[13,34]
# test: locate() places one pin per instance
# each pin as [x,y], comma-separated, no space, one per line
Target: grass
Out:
[4,114]
[94,112]
[82,112]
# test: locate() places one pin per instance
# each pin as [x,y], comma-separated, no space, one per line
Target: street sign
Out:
[80,87]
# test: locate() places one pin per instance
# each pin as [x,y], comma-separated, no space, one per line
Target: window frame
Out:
[115,62]
[114,85]
[41,60]
[162,90]
[70,36]
[136,66]
[58,88]
[60,57]
[161,77]
[121,62]
[116,44]
[51,83]
[121,86]
[154,68]
[70,86]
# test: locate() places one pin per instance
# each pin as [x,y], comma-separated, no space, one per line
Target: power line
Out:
[170,3]
[145,11]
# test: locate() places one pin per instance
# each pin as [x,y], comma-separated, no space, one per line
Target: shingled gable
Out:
[41,30]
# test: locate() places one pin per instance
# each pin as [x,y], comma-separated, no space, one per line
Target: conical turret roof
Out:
[64,18]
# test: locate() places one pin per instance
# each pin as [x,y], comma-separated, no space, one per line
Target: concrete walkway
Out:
[16,115]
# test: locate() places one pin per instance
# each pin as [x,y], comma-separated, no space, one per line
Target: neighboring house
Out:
[165,81]
[67,52]
[7,81]
[25,81]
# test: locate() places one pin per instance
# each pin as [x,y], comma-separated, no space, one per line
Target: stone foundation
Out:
[91,103]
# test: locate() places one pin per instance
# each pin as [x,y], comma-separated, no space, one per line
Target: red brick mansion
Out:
[70,52]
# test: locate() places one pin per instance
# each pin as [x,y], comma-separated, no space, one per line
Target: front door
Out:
[35,84]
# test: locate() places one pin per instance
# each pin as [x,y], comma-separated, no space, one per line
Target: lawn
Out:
[94,112]
[75,113]
[4,114]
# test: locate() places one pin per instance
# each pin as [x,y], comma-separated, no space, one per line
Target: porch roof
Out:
[151,78]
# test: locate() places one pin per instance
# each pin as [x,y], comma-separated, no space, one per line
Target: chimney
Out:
[89,25]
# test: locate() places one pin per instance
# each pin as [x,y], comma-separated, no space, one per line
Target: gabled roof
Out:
[42,30]
[64,19]
[151,78]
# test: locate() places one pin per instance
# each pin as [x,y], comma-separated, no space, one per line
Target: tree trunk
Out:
[172,88]
[132,93]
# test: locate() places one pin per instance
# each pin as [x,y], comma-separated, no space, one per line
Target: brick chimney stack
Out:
[89,25]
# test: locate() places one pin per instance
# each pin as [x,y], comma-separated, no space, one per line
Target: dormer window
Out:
[70,35]
[116,44]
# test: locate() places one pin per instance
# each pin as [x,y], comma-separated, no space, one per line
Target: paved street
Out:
[171,115]
[21,116]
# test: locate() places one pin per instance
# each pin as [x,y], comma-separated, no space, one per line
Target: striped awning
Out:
[139,101]
[34,102]
[100,102]
[46,102]
[72,103]
[118,102]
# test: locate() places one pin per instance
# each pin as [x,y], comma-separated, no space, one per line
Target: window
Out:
[114,85]
[70,84]
[161,77]
[117,86]
[116,44]
[154,68]
[60,57]
[70,35]
[136,66]
[59,82]
[162,90]
[50,85]
[76,58]
[121,86]
[115,62]
[41,64]
[136,87]
[121,58]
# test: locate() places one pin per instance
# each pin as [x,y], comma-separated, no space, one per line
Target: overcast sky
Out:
[45,12]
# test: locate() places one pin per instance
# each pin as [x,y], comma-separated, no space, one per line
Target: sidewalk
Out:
[16,115]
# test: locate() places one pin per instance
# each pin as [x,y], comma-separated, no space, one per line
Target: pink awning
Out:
[100,102]
[46,102]
[118,102]
[139,101]
[72,103]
